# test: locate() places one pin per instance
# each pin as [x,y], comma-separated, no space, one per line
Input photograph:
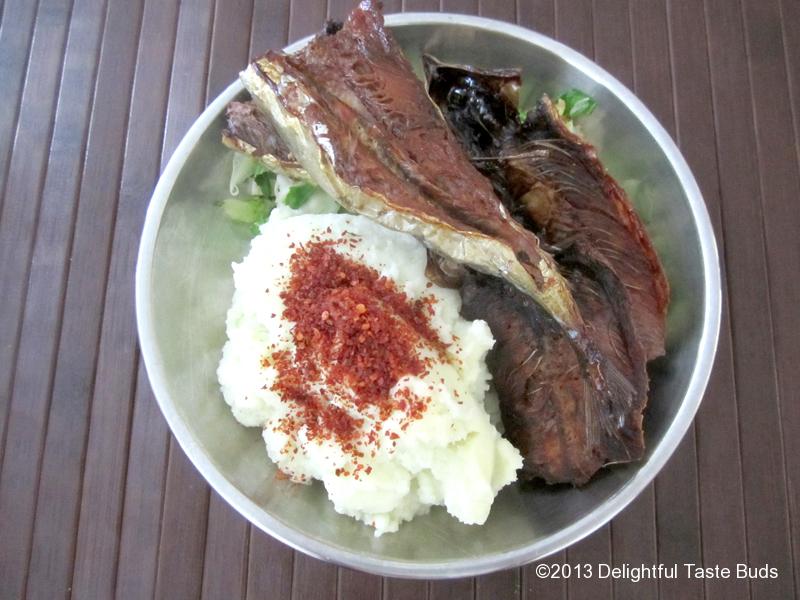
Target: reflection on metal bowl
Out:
[184,287]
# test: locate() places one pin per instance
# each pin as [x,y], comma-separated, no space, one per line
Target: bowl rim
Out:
[472,565]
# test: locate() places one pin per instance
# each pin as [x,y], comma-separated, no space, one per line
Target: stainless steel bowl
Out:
[184,286]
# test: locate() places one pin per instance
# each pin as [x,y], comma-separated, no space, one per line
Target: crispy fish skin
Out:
[352,112]
[585,207]
[565,427]
[553,182]
[249,131]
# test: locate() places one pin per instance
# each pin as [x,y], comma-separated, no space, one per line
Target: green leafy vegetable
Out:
[243,168]
[266,183]
[577,104]
[299,195]
[252,210]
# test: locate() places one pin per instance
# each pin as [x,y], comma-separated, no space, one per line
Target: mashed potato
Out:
[451,455]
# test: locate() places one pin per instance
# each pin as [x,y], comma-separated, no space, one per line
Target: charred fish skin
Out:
[249,131]
[557,185]
[360,123]
[592,202]
[565,427]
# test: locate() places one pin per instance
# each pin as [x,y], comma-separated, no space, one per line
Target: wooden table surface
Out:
[97,499]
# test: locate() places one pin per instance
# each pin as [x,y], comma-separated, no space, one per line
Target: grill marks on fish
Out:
[360,122]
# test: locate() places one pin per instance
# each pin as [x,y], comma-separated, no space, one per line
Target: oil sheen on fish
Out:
[553,180]
[360,123]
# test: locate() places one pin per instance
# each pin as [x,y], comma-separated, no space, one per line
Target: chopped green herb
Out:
[523,114]
[577,104]
[266,183]
[299,195]
[252,209]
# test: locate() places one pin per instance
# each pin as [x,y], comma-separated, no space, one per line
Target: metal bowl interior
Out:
[184,286]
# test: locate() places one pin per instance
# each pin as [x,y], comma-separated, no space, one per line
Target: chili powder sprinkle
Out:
[355,336]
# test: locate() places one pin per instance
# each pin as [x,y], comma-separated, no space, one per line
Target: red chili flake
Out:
[355,335]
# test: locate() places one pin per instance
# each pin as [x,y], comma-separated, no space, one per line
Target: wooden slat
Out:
[16,33]
[467,7]
[463,588]
[503,585]
[50,566]
[312,578]
[780,191]
[404,589]
[147,448]
[105,461]
[186,496]
[355,585]
[230,44]
[594,550]
[269,568]
[538,15]
[26,163]
[144,494]
[227,539]
[534,586]
[722,508]
[270,26]
[25,390]
[502,11]
[762,453]
[305,18]
[420,5]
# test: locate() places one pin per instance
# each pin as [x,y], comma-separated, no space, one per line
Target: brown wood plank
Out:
[269,568]
[313,578]
[404,589]
[502,11]
[780,191]
[306,17]
[468,7]
[574,26]
[534,586]
[230,44]
[721,499]
[25,381]
[503,585]
[27,164]
[147,449]
[16,33]
[355,585]
[270,26]
[144,490]
[52,529]
[225,569]
[754,359]
[463,589]
[420,5]
[183,529]
[105,461]
[538,15]
[593,550]
[790,15]
[633,542]
[186,496]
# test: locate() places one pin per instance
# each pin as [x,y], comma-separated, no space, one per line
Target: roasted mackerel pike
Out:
[348,113]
